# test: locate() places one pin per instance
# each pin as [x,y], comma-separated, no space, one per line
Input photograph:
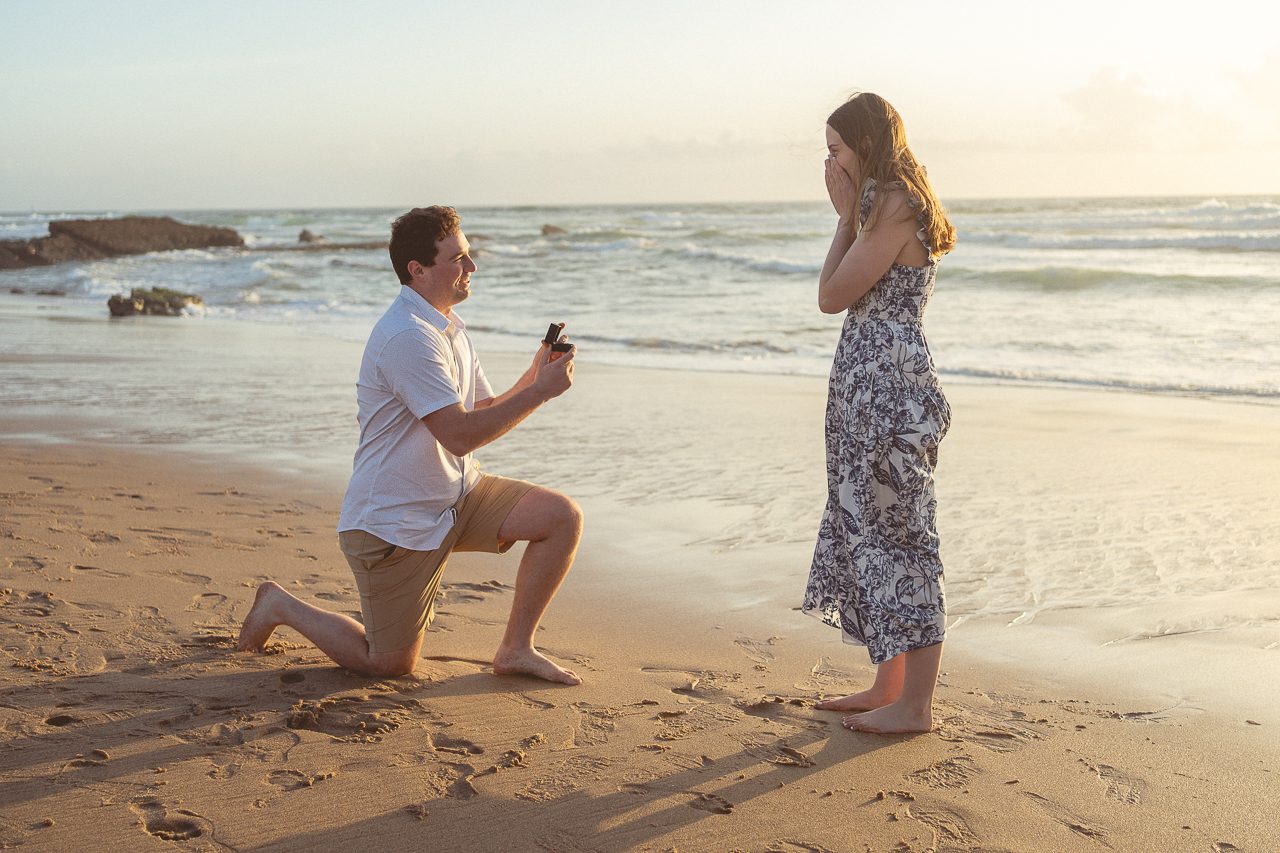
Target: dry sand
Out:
[1106,723]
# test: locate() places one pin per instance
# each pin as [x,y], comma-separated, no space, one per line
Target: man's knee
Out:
[568,515]
[572,514]
[393,664]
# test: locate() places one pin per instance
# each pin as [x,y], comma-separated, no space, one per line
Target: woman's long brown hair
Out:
[873,129]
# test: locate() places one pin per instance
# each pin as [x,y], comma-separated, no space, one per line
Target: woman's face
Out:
[842,153]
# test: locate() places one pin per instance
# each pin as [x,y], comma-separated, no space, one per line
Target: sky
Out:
[185,105]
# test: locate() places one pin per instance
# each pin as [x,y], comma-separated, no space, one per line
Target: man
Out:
[416,494]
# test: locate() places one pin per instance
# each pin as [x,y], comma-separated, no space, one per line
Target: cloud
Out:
[1115,111]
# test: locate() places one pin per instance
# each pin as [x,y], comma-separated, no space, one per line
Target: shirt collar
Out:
[428,312]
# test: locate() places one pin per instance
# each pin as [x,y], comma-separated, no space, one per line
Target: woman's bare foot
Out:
[891,719]
[867,700]
[530,661]
[262,618]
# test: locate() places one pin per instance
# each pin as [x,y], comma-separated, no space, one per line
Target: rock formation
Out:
[92,239]
[155,301]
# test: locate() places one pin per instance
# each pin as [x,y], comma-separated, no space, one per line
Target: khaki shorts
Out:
[398,586]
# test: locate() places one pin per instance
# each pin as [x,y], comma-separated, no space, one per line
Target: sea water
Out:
[1174,295]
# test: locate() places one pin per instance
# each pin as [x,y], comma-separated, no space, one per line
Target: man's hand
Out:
[554,372]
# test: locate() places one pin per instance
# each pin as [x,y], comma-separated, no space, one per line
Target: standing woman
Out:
[876,574]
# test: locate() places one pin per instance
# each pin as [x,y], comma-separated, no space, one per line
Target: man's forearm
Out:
[522,383]
[483,425]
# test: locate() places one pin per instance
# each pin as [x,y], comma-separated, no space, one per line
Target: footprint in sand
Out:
[710,803]
[271,747]
[26,563]
[565,777]
[509,759]
[595,723]
[788,710]
[949,773]
[1069,819]
[580,661]
[463,593]
[353,719]
[991,730]
[178,825]
[191,577]
[952,829]
[1121,787]
[684,722]
[213,604]
[95,758]
[700,684]
[293,780]
[452,781]
[35,603]
[757,650]
[776,752]
[220,772]
[456,745]
[223,734]
[97,571]
[528,701]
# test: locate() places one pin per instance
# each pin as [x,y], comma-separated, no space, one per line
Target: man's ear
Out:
[414,268]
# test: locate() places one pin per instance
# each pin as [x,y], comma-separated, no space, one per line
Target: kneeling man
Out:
[416,494]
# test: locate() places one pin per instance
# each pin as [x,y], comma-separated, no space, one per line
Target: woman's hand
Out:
[840,190]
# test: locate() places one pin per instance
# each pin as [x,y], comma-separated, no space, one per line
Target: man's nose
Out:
[470,265]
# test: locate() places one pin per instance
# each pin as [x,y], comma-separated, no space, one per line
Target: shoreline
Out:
[345,330]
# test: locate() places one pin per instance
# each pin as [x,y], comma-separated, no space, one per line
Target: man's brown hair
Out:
[414,236]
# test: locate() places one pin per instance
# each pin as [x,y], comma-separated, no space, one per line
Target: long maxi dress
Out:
[876,572]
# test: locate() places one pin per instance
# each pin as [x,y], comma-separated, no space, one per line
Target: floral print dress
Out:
[876,573]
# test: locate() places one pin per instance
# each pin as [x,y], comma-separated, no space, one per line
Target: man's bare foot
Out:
[262,618]
[891,719]
[530,661]
[867,700]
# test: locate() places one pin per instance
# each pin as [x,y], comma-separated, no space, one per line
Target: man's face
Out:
[447,281]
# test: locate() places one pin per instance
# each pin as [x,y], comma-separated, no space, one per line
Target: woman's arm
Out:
[857,260]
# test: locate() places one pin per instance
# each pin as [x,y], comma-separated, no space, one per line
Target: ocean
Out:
[1167,295]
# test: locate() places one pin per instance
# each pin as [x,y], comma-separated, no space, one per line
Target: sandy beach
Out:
[1108,681]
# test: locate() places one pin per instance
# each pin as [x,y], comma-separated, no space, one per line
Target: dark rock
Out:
[16,290]
[552,230]
[51,293]
[157,301]
[307,237]
[92,239]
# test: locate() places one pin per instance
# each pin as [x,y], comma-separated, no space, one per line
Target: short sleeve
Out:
[418,368]
[483,389]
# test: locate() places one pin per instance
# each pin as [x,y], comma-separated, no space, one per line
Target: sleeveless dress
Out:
[876,573]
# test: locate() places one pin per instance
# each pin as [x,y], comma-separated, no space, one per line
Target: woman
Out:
[876,573]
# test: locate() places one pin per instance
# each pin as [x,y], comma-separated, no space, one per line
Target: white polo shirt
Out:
[404,484]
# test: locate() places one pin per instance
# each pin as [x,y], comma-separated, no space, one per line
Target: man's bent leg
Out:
[338,636]
[552,525]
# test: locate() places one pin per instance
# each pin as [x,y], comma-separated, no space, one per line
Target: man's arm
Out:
[525,380]
[460,431]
